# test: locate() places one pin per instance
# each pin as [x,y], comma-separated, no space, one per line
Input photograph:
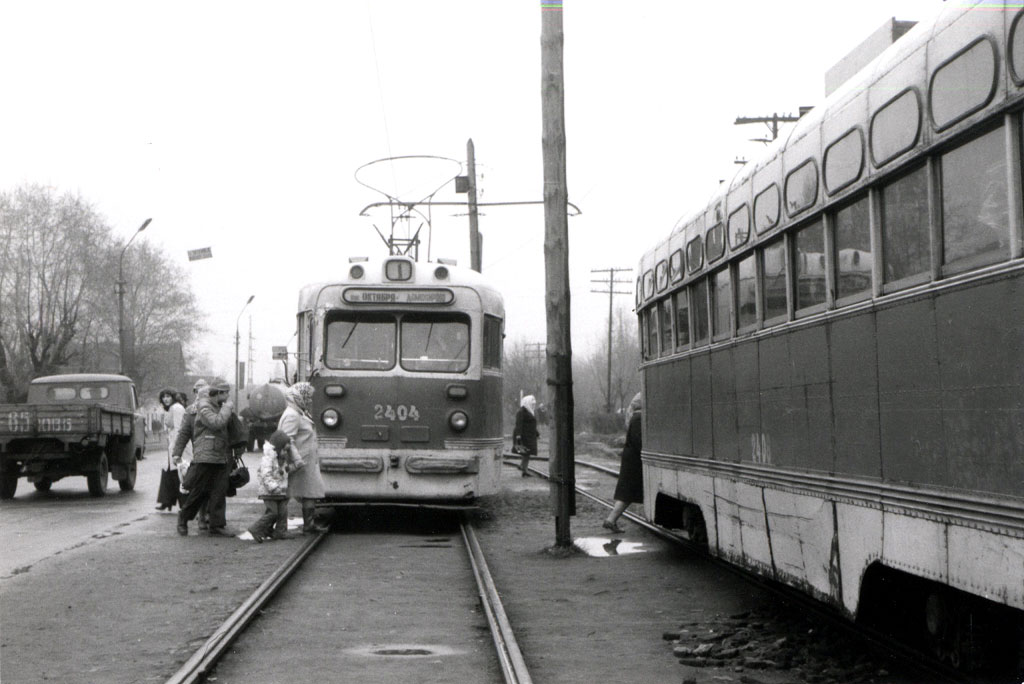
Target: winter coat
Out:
[272,475]
[172,421]
[306,483]
[206,425]
[524,435]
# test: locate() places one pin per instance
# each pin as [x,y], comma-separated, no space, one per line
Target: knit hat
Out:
[279,439]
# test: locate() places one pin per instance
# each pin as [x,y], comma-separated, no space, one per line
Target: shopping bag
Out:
[168,493]
[239,477]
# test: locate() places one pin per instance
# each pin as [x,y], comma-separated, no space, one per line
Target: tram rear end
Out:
[405,359]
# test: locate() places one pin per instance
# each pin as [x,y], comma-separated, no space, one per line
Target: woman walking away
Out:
[305,485]
[630,487]
[524,435]
[280,457]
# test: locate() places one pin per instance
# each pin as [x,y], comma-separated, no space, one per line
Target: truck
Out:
[80,424]
[266,404]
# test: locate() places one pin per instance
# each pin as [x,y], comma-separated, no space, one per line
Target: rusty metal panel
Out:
[776,423]
[855,396]
[909,397]
[748,407]
[723,413]
[860,544]
[700,398]
[987,563]
[980,334]
[801,529]
[915,545]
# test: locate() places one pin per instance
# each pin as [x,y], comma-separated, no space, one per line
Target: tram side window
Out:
[651,326]
[773,262]
[975,202]
[721,312]
[358,342]
[665,324]
[809,266]
[853,250]
[492,342]
[746,293]
[905,243]
[435,343]
[682,319]
[699,302]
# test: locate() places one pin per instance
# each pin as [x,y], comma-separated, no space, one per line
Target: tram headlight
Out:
[458,420]
[441,273]
[331,418]
[356,272]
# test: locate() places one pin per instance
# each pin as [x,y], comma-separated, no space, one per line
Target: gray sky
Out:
[239,126]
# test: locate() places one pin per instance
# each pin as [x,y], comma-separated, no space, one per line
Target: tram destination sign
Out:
[369,295]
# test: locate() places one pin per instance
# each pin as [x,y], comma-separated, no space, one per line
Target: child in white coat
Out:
[280,457]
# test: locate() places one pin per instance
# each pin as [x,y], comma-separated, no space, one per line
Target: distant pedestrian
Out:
[212,458]
[524,434]
[280,457]
[305,485]
[630,487]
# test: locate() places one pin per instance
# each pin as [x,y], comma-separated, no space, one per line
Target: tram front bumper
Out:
[417,464]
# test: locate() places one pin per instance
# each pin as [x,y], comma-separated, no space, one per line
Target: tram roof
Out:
[852,104]
[424,275]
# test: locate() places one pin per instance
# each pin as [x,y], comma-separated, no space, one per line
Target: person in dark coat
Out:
[630,487]
[211,457]
[524,435]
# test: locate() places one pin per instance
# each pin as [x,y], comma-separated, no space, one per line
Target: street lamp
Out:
[247,303]
[120,301]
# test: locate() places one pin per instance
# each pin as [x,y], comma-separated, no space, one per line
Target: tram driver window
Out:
[432,343]
[975,202]
[357,342]
[905,244]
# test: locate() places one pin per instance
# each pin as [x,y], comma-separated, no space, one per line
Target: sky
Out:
[239,126]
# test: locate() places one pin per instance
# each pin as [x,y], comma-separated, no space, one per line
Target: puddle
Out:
[604,546]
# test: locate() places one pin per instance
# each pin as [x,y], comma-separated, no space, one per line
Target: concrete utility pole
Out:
[556,270]
[611,292]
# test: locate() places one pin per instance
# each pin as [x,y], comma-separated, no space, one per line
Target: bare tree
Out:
[625,359]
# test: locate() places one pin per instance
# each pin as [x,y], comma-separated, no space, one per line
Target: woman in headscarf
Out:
[630,487]
[305,485]
[524,435]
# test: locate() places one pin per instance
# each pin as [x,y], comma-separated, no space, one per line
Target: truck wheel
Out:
[128,483]
[97,480]
[43,485]
[8,484]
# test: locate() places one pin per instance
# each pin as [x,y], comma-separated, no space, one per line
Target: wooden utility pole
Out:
[474,226]
[556,271]
[611,292]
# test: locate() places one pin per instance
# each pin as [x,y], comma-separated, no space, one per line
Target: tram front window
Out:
[360,343]
[438,344]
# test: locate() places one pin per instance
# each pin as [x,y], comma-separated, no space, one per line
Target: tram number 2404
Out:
[400,413]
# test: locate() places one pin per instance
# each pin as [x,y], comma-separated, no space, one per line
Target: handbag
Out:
[168,494]
[239,477]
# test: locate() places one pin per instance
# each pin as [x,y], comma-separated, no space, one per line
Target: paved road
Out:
[37,525]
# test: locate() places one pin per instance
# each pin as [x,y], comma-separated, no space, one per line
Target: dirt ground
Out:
[132,606]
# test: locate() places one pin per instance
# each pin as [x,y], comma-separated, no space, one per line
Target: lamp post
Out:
[249,301]
[120,302]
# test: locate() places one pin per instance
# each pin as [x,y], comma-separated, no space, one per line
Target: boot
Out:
[309,523]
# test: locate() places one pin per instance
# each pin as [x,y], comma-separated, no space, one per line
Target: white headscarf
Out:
[529,403]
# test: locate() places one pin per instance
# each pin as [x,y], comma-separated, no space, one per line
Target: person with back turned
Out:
[630,487]
[524,435]
[212,458]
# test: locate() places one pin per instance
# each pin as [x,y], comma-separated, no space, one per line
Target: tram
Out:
[833,346]
[405,359]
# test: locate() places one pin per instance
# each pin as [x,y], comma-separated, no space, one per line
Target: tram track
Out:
[880,643]
[510,661]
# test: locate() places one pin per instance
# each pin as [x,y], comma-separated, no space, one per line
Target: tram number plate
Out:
[400,413]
